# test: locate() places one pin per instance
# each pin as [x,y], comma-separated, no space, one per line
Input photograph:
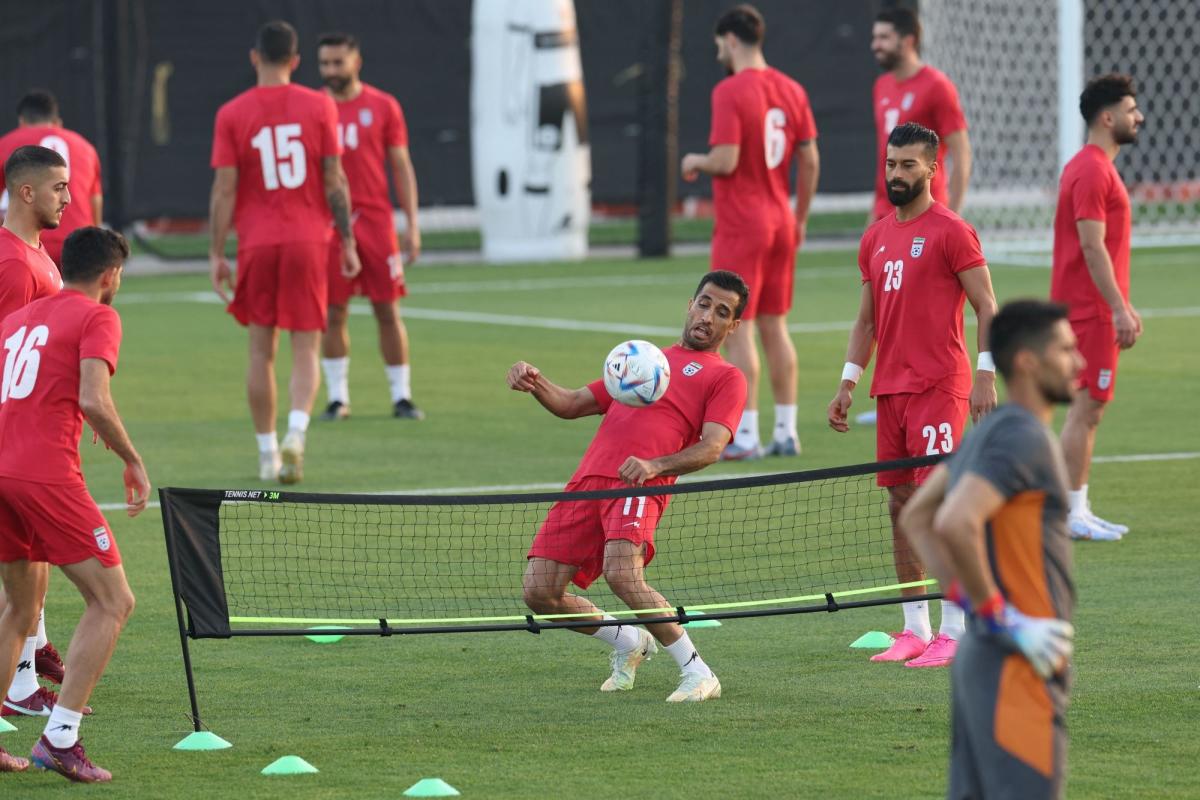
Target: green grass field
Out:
[516,716]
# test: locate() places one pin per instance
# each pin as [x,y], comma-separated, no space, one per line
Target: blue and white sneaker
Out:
[733,452]
[784,447]
[626,662]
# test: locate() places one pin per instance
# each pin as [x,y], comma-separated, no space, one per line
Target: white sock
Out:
[297,421]
[785,422]
[337,379]
[916,619]
[62,729]
[42,641]
[747,432]
[398,381]
[25,682]
[686,656]
[267,443]
[953,620]
[621,637]
[1078,501]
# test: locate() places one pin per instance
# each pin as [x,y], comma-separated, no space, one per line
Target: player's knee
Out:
[622,583]
[23,611]
[118,605]
[385,313]
[538,598]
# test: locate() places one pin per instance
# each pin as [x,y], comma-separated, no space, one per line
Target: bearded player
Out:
[38,188]
[918,265]
[374,138]
[684,431]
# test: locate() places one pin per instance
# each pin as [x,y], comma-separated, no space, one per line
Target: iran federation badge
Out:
[918,246]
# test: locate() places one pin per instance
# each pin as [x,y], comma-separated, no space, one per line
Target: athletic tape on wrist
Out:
[985,362]
[851,372]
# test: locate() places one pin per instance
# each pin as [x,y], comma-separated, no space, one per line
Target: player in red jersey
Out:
[278,176]
[918,265]
[61,353]
[684,431]
[912,91]
[373,134]
[38,186]
[761,122]
[39,123]
[1090,276]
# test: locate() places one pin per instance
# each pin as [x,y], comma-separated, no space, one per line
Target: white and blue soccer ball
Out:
[636,373]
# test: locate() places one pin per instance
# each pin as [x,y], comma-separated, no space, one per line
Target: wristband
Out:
[991,611]
[851,372]
[985,361]
[956,595]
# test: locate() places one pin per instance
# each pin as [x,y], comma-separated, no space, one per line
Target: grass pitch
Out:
[511,715]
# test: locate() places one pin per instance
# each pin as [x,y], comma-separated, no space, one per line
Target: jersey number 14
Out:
[282,153]
[22,362]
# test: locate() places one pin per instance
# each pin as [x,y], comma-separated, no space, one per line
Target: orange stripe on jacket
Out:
[1016,535]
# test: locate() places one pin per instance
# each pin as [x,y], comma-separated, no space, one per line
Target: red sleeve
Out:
[726,124]
[17,285]
[864,256]
[224,151]
[727,399]
[331,145]
[1089,195]
[962,248]
[950,117]
[395,132]
[101,337]
[807,129]
[601,394]
[97,185]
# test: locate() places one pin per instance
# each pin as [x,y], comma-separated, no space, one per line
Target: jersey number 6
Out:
[282,154]
[774,137]
[22,362]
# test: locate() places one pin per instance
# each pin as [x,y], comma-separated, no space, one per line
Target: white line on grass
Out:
[507,488]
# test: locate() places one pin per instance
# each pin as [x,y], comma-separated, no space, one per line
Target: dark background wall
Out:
[143,78]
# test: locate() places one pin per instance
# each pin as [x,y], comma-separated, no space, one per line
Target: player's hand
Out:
[983,394]
[410,245]
[137,488]
[523,377]
[1128,325]
[801,231]
[1138,319]
[636,471]
[1047,643]
[689,168]
[223,279]
[839,409]
[351,265]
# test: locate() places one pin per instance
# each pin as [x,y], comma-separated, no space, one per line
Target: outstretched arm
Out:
[558,400]
[713,438]
[720,160]
[96,403]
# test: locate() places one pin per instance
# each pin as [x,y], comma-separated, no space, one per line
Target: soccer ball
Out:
[636,373]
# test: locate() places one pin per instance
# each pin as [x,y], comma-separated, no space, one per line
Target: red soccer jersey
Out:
[704,388]
[913,270]
[927,98]
[1090,188]
[26,273]
[277,136]
[40,420]
[367,126]
[83,164]
[766,114]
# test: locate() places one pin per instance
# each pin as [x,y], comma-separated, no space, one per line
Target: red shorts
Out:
[55,523]
[767,262]
[575,531]
[913,425]
[1098,344]
[382,276]
[282,286]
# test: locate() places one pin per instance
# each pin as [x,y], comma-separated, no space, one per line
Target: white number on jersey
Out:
[775,137]
[890,118]
[22,362]
[282,154]
[348,135]
[932,446]
[894,274]
[53,142]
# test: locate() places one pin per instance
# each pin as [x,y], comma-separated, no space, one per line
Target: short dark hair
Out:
[89,251]
[38,105]
[1103,91]
[27,159]
[730,281]
[338,39]
[277,42]
[1022,325]
[743,21]
[904,21]
[912,133]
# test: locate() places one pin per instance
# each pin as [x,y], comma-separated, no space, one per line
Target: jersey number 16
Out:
[22,362]
[282,153]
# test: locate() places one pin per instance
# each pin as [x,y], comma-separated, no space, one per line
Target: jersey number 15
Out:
[282,153]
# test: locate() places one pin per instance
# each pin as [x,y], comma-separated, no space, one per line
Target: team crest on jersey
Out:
[102,540]
[1104,380]
[918,246]
[907,102]
[365,117]
[691,369]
